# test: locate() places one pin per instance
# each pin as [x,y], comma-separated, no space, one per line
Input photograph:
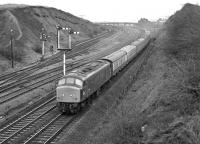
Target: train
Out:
[78,87]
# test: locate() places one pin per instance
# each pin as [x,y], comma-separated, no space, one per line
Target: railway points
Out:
[28,80]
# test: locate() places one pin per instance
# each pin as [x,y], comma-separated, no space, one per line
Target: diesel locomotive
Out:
[77,88]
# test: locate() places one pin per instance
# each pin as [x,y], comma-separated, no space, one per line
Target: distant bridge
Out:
[117,23]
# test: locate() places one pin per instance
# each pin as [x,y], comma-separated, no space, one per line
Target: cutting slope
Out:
[163,104]
[27,22]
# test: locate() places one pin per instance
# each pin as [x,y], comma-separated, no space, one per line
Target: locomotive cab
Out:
[69,90]
[75,89]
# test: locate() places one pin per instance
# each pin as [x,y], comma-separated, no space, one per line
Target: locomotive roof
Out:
[88,69]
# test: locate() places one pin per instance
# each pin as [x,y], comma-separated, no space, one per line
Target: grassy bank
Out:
[162,105]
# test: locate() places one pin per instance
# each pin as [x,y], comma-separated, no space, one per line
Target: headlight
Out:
[73,96]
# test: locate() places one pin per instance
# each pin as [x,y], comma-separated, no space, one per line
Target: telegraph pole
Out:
[11,47]
[70,31]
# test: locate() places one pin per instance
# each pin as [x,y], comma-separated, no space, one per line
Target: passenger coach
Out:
[117,59]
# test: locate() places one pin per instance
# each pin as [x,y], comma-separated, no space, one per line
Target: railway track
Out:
[17,79]
[43,125]
[48,61]
[28,122]
[25,88]
[79,49]
[29,83]
[49,132]
[26,84]
[25,130]
[20,81]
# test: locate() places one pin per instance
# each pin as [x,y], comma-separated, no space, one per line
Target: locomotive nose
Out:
[68,94]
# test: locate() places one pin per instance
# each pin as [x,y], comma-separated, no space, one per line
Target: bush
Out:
[183,32]
[38,49]
[179,96]
[182,47]
[125,127]
[187,134]
[18,53]
[37,14]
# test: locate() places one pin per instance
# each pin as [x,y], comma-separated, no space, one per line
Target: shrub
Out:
[187,134]
[182,47]
[179,95]
[37,14]
[38,49]
[183,32]
[18,53]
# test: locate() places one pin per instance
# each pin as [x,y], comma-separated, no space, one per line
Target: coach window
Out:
[119,63]
[114,66]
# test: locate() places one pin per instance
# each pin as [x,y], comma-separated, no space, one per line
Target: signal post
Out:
[43,38]
[70,32]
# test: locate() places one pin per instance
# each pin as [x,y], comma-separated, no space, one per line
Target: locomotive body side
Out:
[77,86]
[96,79]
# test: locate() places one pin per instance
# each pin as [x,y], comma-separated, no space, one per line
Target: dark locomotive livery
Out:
[76,88]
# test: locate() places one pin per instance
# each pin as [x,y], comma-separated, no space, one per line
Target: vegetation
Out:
[143,20]
[18,52]
[38,49]
[163,106]
[179,97]
[27,22]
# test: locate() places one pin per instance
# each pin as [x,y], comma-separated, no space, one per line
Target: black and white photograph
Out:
[99,72]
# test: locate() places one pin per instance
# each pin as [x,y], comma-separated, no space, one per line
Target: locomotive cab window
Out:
[70,80]
[74,81]
[78,82]
[61,82]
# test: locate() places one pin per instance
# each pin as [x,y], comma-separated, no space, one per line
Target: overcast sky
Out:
[112,10]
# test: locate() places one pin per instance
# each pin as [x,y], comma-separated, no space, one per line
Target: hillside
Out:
[162,105]
[27,22]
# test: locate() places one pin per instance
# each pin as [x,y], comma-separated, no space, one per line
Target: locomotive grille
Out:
[68,94]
